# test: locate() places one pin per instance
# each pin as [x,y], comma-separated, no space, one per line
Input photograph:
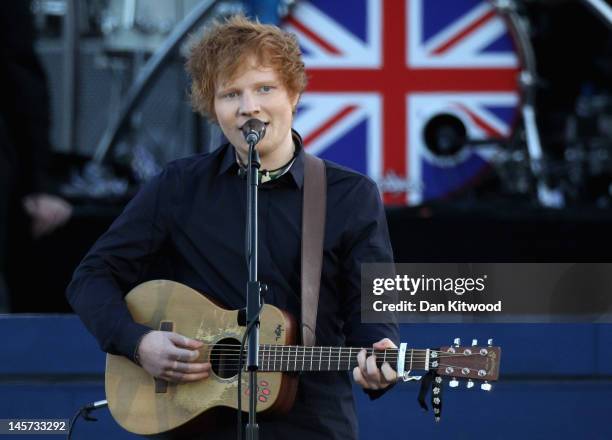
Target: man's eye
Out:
[266,89]
[230,95]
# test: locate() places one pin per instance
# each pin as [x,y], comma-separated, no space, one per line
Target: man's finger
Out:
[171,376]
[195,376]
[384,343]
[361,359]
[192,377]
[191,368]
[177,376]
[358,377]
[388,373]
[372,371]
[183,355]
[184,341]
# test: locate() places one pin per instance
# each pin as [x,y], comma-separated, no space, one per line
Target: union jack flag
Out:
[380,69]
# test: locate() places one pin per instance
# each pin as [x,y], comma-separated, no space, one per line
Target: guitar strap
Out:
[433,380]
[313,231]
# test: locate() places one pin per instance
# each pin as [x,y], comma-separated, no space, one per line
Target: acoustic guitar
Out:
[148,406]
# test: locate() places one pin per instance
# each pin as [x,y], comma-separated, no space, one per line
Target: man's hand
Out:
[172,357]
[48,212]
[368,375]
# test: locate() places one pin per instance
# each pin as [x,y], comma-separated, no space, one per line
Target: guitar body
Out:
[146,406]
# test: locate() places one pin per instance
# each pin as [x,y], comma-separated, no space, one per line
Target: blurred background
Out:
[486,124]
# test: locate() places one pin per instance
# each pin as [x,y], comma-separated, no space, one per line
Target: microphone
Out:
[253,131]
[97,404]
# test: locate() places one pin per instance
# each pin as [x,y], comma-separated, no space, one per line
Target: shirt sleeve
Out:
[366,241]
[115,264]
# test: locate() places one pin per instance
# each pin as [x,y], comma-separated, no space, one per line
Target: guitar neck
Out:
[285,358]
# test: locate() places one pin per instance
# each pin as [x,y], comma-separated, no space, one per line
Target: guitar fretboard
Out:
[299,358]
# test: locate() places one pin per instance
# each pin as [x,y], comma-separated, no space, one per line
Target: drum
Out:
[408,91]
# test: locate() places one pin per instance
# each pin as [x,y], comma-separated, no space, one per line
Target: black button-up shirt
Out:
[188,225]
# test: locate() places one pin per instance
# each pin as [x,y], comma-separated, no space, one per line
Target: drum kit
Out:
[526,160]
[450,132]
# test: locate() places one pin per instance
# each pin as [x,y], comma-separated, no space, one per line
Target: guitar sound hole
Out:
[224,357]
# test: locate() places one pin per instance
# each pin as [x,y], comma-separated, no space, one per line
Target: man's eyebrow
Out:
[223,90]
[268,81]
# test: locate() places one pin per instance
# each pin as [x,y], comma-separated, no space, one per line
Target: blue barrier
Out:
[556,382]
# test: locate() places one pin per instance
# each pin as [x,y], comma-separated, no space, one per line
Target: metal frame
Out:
[70,36]
[602,9]
[149,72]
[546,196]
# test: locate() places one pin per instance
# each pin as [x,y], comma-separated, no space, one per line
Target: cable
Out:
[85,411]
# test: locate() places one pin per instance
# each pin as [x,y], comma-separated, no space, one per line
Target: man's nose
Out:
[248,104]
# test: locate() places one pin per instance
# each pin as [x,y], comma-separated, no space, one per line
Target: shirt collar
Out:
[297,169]
[228,161]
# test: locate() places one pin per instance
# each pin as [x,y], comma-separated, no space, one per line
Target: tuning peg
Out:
[490,342]
[486,386]
[474,342]
[453,383]
[457,342]
[470,384]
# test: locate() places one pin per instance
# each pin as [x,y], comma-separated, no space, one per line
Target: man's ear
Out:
[294,102]
[212,115]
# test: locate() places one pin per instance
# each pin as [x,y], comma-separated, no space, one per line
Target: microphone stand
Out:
[254,288]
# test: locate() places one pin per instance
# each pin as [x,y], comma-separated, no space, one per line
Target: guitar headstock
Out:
[473,362]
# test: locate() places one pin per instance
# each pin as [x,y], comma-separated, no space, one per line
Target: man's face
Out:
[256,92]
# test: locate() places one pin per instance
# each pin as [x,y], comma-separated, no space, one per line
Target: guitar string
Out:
[289,357]
[284,359]
[326,355]
[337,360]
[337,355]
[345,348]
[288,368]
[357,349]
[267,347]
[299,357]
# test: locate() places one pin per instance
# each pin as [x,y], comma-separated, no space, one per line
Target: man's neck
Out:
[272,160]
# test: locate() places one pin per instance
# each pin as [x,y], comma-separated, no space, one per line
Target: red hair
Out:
[223,49]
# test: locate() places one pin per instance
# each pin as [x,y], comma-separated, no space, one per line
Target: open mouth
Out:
[265,123]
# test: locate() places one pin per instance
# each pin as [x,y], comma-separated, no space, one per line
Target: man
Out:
[24,138]
[190,220]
